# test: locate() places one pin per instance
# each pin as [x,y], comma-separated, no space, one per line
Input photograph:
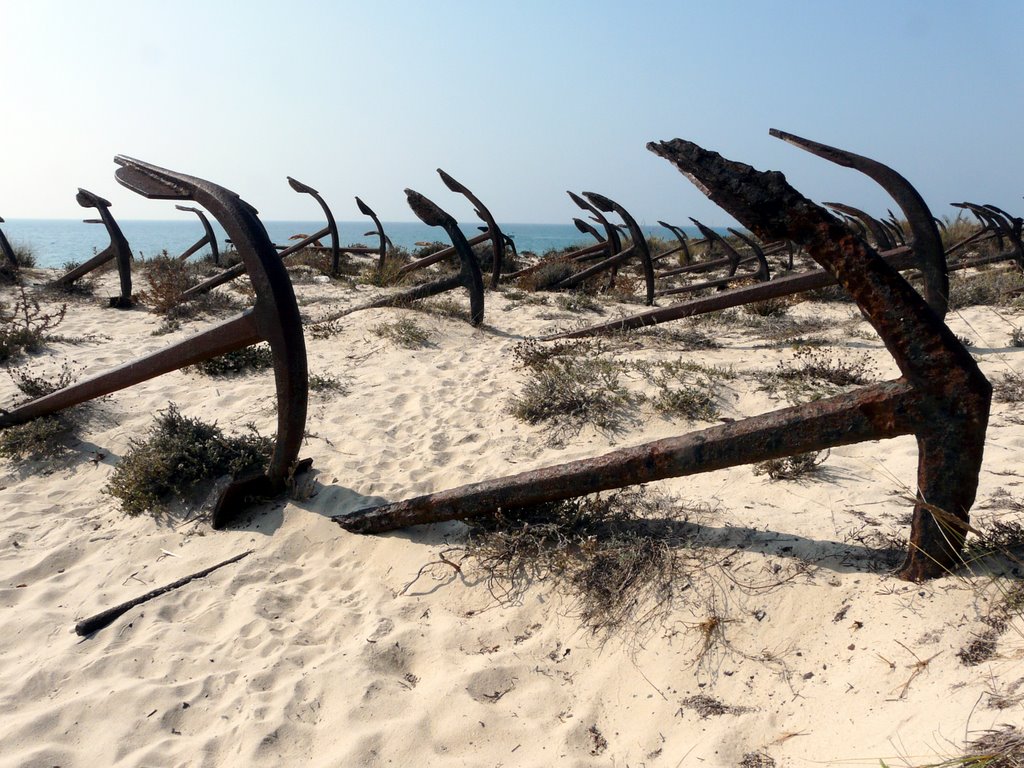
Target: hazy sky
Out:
[518,100]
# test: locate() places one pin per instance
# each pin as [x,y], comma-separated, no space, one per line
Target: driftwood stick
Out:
[107,617]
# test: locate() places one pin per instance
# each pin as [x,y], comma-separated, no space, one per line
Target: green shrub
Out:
[404,332]
[179,453]
[258,357]
[570,387]
[26,325]
[44,438]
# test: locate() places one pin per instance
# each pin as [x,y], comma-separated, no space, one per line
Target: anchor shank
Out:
[227,337]
[872,413]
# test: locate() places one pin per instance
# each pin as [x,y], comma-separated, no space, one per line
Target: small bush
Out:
[571,387]
[685,389]
[25,327]
[24,255]
[167,278]
[545,277]
[988,287]
[620,556]
[326,383]
[404,332]
[258,357]
[776,307]
[34,385]
[1008,387]
[791,467]
[579,302]
[813,375]
[1017,338]
[44,438]
[178,454]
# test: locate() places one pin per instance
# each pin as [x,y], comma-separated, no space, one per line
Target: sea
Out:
[56,242]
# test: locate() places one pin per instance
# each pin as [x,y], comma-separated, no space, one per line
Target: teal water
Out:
[57,241]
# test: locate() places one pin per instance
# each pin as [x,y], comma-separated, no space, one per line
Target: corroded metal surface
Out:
[209,238]
[942,398]
[879,233]
[6,250]
[470,277]
[493,231]
[274,318]
[382,246]
[927,241]
[332,225]
[117,249]
[636,235]
[683,247]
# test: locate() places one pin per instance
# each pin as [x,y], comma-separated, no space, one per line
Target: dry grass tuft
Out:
[622,558]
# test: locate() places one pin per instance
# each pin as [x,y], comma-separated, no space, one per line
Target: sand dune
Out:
[323,648]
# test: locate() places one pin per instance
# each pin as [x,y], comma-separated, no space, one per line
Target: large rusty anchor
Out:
[638,246]
[942,397]
[925,255]
[491,232]
[118,249]
[331,228]
[208,238]
[274,318]
[469,276]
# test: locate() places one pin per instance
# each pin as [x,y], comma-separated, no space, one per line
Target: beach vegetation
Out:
[988,287]
[404,332]
[775,307]
[545,277]
[24,255]
[570,386]
[1008,387]
[44,438]
[178,454]
[26,325]
[685,389]
[620,558]
[257,357]
[322,382]
[813,375]
[168,278]
[792,467]
[577,301]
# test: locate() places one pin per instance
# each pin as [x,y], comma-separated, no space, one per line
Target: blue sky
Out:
[520,101]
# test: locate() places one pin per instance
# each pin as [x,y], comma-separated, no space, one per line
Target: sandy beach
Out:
[791,644]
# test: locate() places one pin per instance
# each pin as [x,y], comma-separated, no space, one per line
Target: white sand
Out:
[308,653]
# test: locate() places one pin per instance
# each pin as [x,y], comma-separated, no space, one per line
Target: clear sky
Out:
[519,100]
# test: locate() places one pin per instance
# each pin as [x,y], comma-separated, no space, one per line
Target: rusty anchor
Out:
[942,398]
[6,250]
[9,267]
[208,238]
[927,244]
[638,246]
[733,260]
[331,228]
[868,223]
[469,276]
[274,318]
[117,249]
[492,232]
[683,247]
